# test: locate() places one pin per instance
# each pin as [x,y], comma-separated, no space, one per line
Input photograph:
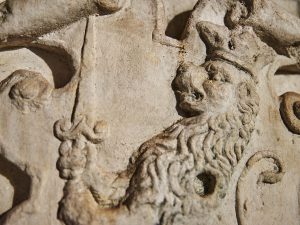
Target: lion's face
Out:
[210,89]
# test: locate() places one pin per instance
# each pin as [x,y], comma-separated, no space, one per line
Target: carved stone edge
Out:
[267,177]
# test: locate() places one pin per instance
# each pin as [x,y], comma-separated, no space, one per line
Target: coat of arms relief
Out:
[109,119]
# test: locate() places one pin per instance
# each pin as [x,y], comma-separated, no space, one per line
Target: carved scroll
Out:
[262,168]
[29,91]
[290,111]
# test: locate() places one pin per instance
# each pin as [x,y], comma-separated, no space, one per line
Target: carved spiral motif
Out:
[29,90]
[262,174]
[290,111]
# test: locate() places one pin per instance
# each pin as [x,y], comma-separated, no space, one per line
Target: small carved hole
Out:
[177,25]
[231,45]
[197,96]
[205,184]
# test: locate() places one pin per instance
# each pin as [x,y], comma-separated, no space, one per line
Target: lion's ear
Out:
[214,36]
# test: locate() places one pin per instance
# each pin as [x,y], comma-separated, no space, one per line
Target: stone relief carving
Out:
[269,176]
[184,173]
[290,111]
[28,90]
[196,156]
[17,21]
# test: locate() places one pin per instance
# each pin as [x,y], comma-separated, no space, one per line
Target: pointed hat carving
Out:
[239,46]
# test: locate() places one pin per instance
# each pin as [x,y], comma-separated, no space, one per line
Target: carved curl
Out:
[28,90]
[290,111]
[270,176]
[78,140]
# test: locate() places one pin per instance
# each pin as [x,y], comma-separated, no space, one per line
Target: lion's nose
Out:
[198,82]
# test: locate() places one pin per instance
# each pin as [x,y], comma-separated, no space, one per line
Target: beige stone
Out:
[150,112]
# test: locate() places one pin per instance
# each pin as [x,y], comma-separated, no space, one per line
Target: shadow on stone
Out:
[177,25]
[18,179]
[59,65]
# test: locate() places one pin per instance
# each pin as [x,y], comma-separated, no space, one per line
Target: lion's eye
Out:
[219,77]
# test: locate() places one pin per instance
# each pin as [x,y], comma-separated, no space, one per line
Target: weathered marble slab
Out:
[150,112]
